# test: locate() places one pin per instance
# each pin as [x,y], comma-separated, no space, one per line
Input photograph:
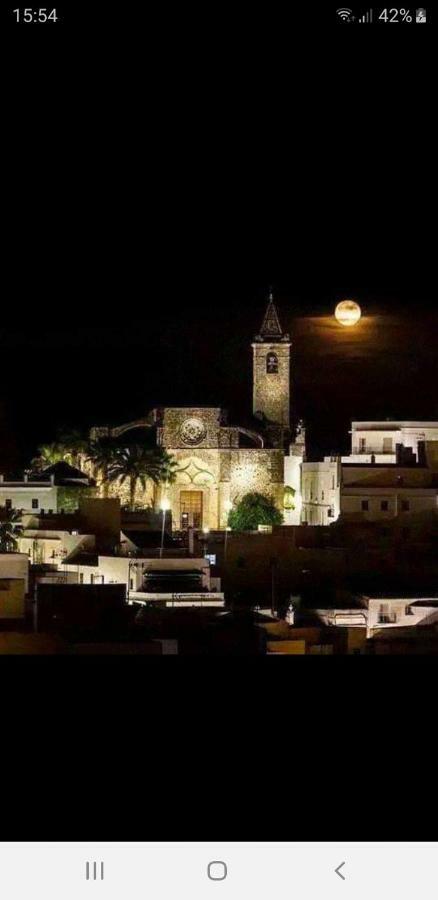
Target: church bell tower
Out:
[271,370]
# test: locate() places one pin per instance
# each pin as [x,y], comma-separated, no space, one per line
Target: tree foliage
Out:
[74,445]
[138,465]
[10,529]
[254,509]
[102,454]
[48,455]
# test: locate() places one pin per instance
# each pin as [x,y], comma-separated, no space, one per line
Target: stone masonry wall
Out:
[271,391]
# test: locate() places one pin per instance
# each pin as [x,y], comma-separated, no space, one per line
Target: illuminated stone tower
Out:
[271,370]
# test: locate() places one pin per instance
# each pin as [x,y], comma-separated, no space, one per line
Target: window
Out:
[365,505]
[81,577]
[387,445]
[322,495]
[35,503]
[91,579]
[8,504]
[362,445]
[386,616]
[272,363]
[333,482]
[384,505]
[405,505]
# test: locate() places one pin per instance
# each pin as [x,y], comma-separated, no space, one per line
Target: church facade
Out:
[214,471]
[218,463]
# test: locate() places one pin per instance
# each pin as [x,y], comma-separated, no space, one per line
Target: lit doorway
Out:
[191,509]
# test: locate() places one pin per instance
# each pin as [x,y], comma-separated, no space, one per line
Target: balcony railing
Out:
[372,449]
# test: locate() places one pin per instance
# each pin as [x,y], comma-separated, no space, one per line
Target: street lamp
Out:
[165,505]
[128,598]
[205,532]
[228,505]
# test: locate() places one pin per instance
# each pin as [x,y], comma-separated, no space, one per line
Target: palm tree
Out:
[138,465]
[10,529]
[74,445]
[48,455]
[102,453]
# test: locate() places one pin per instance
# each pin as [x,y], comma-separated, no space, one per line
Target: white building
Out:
[15,565]
[378,492]
[390,472]
[400,612]
[14,585]
[29,496]
[173,582]
[380,612]
[320,491]
[51,547]
[292,478]
[379,441]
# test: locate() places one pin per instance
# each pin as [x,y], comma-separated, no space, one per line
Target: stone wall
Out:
[208,460]
[224,476]
[198,470]
[190,428]
[257,470]
[271,390]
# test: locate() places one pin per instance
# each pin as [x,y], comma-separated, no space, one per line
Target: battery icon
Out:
[420,15]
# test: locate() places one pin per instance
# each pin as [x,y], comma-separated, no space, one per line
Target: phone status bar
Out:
[381,16]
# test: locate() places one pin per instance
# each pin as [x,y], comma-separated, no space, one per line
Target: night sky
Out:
[157,177]
[149,208]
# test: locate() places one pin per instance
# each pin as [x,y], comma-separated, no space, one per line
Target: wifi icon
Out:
[344,14]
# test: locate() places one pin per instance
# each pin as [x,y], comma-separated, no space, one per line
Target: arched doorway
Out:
[191,509]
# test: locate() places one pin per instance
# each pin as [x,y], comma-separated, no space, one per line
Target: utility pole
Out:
[273,584]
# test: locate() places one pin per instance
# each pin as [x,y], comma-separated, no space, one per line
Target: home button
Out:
[217,870]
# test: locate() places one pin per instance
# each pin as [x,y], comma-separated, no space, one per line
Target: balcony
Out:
[381,451]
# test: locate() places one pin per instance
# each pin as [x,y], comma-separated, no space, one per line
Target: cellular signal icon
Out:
[367,17]
[344,14]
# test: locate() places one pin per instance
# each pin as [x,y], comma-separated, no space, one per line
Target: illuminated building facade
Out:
[218,463]
[320,490]
[389,441]
[271,372]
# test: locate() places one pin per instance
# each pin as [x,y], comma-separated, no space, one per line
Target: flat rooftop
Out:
[391,425]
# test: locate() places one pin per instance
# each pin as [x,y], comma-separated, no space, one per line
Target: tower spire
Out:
[271,329]
[271,373]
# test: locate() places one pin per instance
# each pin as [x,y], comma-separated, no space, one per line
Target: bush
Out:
[253,510]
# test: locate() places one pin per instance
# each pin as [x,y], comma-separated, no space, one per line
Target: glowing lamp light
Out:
[165,504]
[289,494]
[228,505]
[348,312]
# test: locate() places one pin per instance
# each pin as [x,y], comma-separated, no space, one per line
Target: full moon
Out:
[348,312]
